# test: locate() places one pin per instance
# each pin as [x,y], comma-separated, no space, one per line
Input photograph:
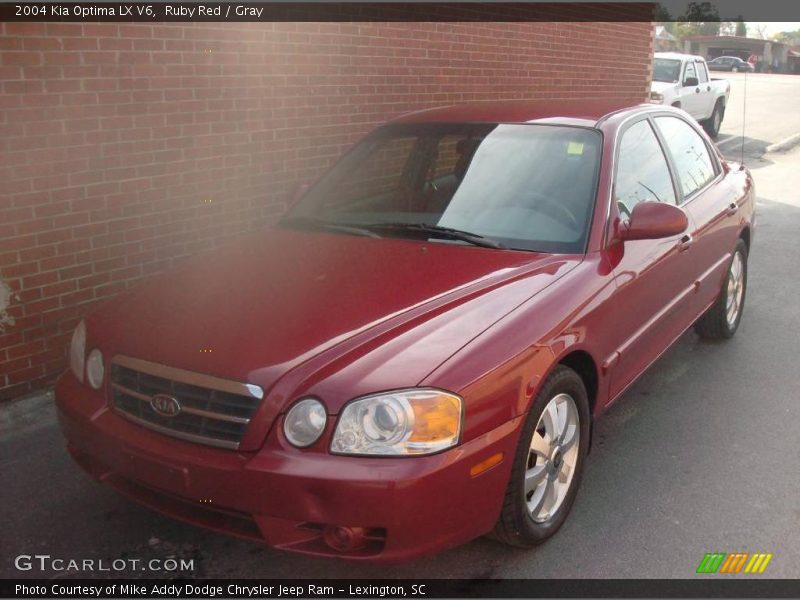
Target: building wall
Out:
[128,147]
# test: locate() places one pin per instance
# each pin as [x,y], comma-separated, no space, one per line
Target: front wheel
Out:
[723,318]
[549,462]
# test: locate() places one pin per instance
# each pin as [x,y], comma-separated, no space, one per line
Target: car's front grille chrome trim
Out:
[213,411]
[186,409]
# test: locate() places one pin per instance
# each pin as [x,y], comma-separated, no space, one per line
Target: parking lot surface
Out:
[700,455]
[771,112]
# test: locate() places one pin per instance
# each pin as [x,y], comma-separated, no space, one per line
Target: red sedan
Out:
[415,355]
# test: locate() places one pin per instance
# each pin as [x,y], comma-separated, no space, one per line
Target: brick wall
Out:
[128,147]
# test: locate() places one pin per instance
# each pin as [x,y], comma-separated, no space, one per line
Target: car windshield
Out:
[527,187]
[667,70]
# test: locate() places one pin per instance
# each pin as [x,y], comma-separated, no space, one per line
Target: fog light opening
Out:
[344,539]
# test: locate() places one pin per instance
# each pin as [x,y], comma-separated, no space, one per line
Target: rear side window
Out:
[702,74]
[642,171]
[693,162]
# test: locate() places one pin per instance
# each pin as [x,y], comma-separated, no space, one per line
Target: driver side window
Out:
[690,72]
[642,171]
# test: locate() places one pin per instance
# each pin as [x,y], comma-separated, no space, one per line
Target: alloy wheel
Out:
[552,458]
[735,290]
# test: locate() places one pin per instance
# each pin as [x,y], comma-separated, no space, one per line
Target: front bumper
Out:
[406,507]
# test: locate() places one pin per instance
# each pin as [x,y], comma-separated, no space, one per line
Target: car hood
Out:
[301,306]
[661,86]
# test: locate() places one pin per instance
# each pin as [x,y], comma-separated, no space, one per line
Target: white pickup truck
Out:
[682,80]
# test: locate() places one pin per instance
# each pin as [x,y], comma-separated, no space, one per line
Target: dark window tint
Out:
[642,171]
[693,163]
[666,70]
[379,174]
[690,72]
[529,187]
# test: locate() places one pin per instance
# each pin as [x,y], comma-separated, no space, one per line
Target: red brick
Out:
[20,58]
[25,349]
[113,133]
[12,366]
[24,375]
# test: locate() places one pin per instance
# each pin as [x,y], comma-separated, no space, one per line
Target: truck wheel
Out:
[713,123]
[548,464]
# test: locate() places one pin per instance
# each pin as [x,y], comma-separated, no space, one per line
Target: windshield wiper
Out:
[436,230]
[314,223]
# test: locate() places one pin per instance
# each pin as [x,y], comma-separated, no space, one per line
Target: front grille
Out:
[213,411]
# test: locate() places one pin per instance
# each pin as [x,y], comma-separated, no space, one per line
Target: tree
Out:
[759,31]
[704,16]
[791,38]
[741,28]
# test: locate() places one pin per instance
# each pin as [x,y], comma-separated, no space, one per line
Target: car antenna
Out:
[744,117]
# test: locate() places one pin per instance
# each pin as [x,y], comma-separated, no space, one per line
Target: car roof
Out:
[677,56]
[557,112]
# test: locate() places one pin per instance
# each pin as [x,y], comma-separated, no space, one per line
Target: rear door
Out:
[706,197]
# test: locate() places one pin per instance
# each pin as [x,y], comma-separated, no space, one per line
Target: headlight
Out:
[416,421]
[95,369]
[305,422]
[77,351]
[656,98]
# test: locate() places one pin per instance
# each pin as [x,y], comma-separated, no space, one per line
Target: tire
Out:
[713,123]
[517,525]
[717,323]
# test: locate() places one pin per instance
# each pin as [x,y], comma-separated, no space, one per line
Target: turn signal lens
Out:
[416,421]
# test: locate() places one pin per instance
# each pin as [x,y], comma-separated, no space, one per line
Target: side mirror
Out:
[691,82]
[652,221]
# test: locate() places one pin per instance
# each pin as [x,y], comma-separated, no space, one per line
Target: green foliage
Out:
[788,37]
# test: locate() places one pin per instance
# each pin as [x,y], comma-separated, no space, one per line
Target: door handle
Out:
[732,209]
[685,243]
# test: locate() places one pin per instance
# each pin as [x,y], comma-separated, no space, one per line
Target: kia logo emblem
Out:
[166,406]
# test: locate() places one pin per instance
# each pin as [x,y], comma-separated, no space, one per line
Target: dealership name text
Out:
[171,590]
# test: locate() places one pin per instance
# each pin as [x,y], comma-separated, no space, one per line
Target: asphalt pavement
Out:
[762,110]
[701,455]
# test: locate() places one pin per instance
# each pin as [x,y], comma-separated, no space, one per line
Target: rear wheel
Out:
[549,462]
[713,123]
[723,318]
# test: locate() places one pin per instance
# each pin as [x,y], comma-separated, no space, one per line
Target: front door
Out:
[654,277]
[692,99]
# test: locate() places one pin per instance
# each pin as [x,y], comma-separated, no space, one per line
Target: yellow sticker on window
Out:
[575,148]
